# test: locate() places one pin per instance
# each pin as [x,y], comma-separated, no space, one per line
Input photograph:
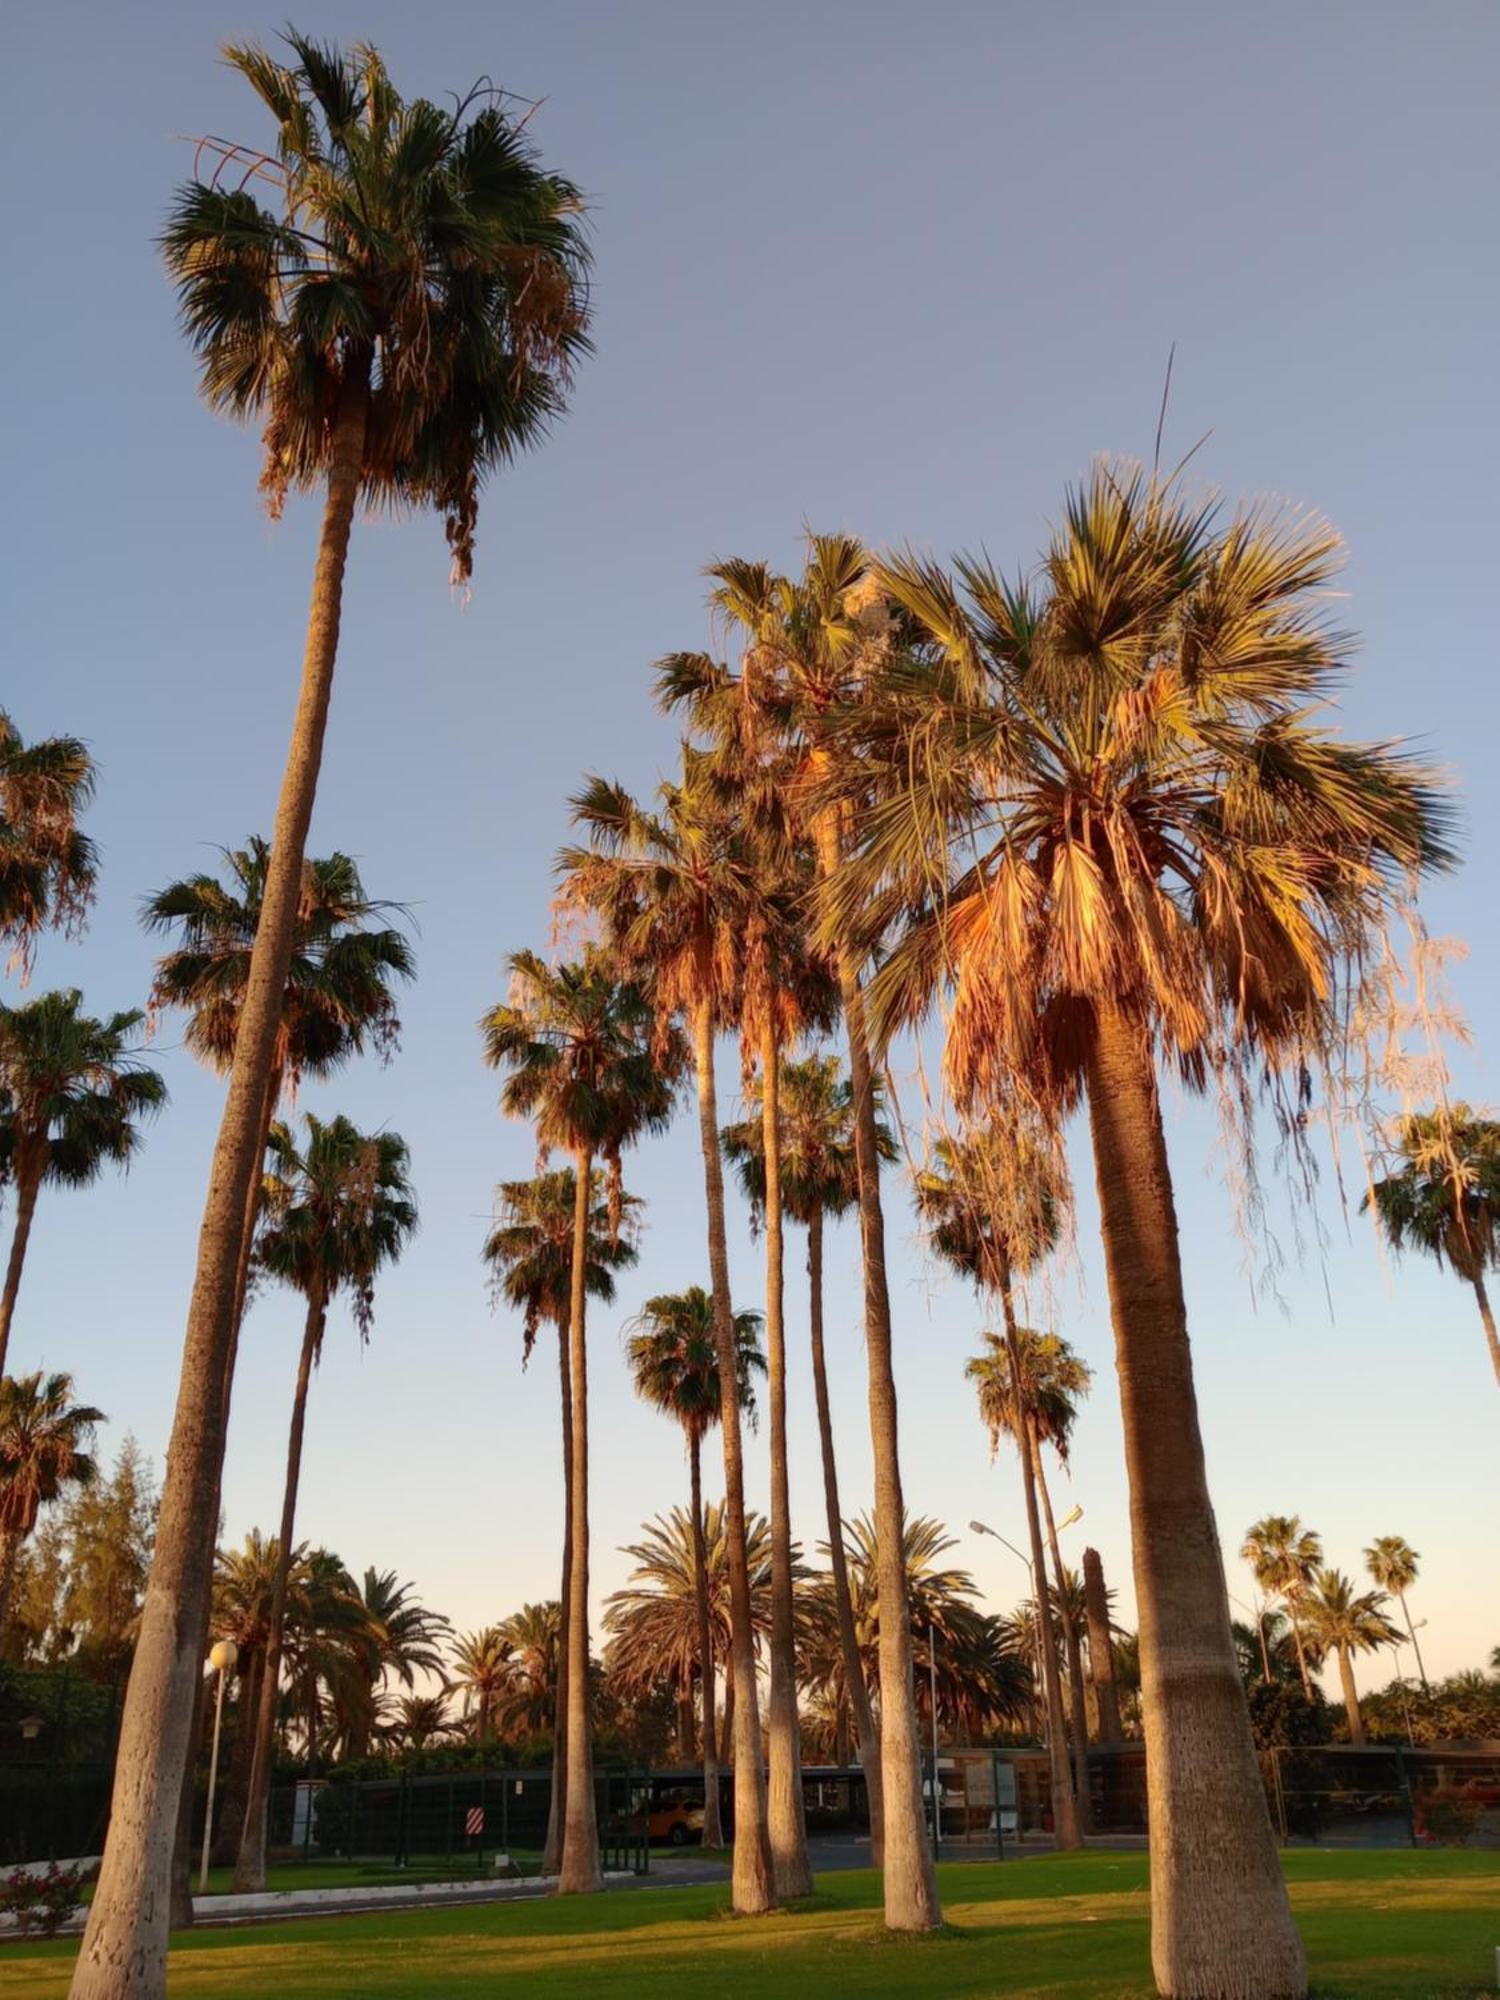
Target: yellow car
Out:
[676,1818]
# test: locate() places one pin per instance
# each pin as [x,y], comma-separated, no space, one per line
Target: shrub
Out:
[43,1903]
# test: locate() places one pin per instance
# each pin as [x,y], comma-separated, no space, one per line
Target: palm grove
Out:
[1074,834]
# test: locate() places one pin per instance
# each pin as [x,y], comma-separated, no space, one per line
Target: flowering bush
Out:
[43,1902]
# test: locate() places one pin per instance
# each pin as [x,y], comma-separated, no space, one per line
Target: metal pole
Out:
[937,1817]
[213,1773]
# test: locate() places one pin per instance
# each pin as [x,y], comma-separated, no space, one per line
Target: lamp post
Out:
[222,1659]
[978,1528]
[1260,1625]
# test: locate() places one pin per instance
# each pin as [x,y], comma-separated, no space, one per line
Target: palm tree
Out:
[1442,1197]
[1392,1563]
[402,314]
[1344,1622]
[993,1202]
[47,867]
[46,1444]
[811,649]
[1284,1558]
[653,1621]
[421,1719]
[1028,1384]
[481,1673]
[73,1094]
[674,1359]
[819,1178]
[532,1636]
[1113,829]
[337,1210]
[677,893]
[530,1251]
[402,1638]
[590,1061]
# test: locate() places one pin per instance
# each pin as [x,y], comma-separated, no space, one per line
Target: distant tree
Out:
[1343,1621]
[47,866]
[1283,1717]
[46,1442]
[480,1671]
[1285,1559]
[73,1095]
[1392,1564]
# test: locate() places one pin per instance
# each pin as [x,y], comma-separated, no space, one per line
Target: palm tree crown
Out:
[336,1211]
[653,1621]
[47,867]
[818,1174]
[1443,1195]
[45,1444]
[338,990]
[1052,1379]
[413,254]
[675,1363]
[1392,1563]
[530,1248]
[72,1090]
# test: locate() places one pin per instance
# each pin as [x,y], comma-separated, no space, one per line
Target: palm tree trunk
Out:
[10,1551]
[1221,1922]
[726,1729]
[1412,1635]
[1078,1708]
[1101,1652]
[552,1847]
[1302,1667]
[713,1824]
[123,1956]
[858,1692]
[1485,1313]
[250,1868]
[27,1185]
[579,1872]
[790,1867]
[1351,1698]
[182,1845]
[1064,1810]
[910,1884]
[752,1886]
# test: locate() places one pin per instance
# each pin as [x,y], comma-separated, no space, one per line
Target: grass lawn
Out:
[1423,1925]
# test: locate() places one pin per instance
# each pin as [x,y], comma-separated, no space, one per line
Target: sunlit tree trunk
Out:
[552,1848]
[752,1885]
[713,1825]
[1101,1650]
[579,1873]
[858,1693]
[1221,1924]
[1078,1710]
[1411,1632]
[123,1956]
[1351,1697]
[250,1868]
[1485,1313]
[790,1868]
[910,1884]
[28,1181]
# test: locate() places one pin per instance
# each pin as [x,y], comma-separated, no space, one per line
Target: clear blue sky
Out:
[896,270]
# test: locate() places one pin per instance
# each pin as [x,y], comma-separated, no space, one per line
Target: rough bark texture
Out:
[752,1885]
[1101,1651]
[713,1823]
[123,1956]
[552,1847]
[250,1866]
[790,1867]
[579,1871]
[1488,1317]
[1221,1925]
[26,1192]
[910,1884]
[858,1694]
[1078,1707]
[10,1550]
[1351,1698]
[726,1725]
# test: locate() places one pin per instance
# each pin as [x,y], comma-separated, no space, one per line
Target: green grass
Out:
[1422,1925]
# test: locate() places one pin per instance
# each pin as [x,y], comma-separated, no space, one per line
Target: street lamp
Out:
[222,1659]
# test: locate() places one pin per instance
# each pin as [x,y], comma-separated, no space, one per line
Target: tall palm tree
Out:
[1392,1563]
[676,891]
[1115,830]
[993,1201]
[530,1251]
[1284,1559]
[532,1636]
[674,1360]
[1344,1622]
[338,1209]
[590,1061]
[812,646]
[481,1672]
[73,1095]
[401,1639]
[46,1442]
[819,1179]
[47,866]
[1028,1384]
[1442,1197]
[401,311]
